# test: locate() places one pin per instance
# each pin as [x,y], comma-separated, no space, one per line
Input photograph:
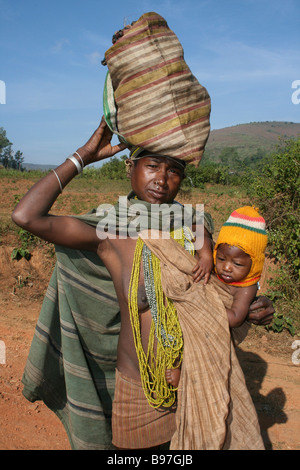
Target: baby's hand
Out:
[203,269]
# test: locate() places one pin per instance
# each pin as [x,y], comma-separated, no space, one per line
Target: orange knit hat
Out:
[246,229]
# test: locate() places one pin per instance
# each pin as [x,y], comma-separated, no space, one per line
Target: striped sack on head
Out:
[151,98]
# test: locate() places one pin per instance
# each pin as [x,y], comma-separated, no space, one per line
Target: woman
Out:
[155,180]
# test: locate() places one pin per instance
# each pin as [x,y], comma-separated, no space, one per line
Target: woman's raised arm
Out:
[32,212]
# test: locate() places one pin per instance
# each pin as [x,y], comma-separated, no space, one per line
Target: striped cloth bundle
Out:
[151,98]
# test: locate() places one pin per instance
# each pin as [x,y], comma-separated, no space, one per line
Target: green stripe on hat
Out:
[246,227]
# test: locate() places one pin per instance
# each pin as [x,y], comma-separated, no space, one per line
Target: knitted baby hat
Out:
[246,229]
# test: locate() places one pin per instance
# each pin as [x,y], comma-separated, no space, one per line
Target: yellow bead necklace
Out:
[167,351]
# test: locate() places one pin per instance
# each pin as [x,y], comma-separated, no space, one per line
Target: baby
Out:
[238,255]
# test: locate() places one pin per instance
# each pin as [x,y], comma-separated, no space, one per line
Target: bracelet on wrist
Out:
[58,179]
[82,163]
[76,163]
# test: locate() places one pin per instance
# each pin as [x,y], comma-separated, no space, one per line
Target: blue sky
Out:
[245,52]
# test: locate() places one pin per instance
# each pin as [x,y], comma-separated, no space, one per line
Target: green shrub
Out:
[23,251]
[276,191]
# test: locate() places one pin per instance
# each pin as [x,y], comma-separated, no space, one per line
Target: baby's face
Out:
[232,264]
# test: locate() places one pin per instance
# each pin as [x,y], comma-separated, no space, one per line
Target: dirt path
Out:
[24,425]
[274,384]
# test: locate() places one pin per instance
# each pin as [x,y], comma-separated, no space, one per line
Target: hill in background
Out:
[255,138]
[36,166]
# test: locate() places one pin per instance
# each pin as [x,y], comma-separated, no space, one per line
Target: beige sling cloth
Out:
[215,410]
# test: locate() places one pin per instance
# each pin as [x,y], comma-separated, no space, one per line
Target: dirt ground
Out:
[272,374]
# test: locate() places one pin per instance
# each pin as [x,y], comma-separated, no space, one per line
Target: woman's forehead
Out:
[171,162]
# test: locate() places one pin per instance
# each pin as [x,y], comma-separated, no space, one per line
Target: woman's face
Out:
[232,264]
[156,179]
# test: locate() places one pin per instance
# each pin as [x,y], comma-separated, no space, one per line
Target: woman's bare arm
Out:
[32,212]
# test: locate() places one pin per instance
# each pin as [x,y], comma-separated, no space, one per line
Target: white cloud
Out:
[95,57]
[59,45]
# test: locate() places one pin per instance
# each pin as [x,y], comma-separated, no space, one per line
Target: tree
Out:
[19,159]
[8,158]
[229,156]
[4,142]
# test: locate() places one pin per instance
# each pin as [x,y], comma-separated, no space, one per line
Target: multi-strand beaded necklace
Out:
[165,345]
